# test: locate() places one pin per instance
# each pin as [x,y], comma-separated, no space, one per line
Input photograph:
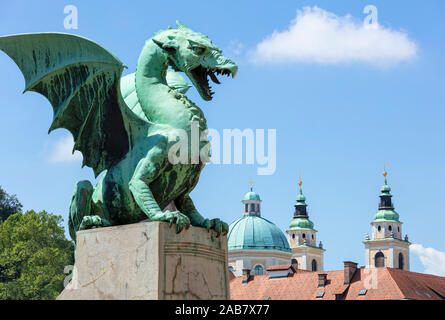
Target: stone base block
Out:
[148,260]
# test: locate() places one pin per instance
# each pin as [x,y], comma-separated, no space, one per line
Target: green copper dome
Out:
[254,232]
[300,197]
[301,223]
[251,196]
[385,188]
[383,215]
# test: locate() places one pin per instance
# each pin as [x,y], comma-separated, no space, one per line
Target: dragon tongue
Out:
[214,78]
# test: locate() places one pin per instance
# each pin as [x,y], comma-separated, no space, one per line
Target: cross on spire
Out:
[384,172]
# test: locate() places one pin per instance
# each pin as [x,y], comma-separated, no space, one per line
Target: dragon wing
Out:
[81,80]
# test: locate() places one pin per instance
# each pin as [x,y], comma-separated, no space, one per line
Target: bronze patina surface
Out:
[127,125]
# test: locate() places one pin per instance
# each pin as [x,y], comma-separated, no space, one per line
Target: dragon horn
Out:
[181,26]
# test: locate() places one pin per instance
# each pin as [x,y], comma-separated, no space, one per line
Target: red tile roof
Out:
[275,268]
[383,284]
[419,286]
[341,289]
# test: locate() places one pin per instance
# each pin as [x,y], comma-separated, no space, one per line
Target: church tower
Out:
[302,238]
[386,247]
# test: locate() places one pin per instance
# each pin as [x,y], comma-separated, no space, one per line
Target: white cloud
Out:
[319,36]
[433,260]
[62,151]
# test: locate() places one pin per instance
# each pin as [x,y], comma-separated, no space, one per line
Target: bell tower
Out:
[302,237]
[386,247]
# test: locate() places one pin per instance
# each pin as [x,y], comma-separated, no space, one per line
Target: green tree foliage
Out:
[33,254]
[8,205]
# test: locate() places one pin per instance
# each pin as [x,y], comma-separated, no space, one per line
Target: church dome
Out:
[301,198]
[254,232]
[383,215]
[301,223]
[251,196]
[385,188]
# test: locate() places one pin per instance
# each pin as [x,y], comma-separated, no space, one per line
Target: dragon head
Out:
[194,54]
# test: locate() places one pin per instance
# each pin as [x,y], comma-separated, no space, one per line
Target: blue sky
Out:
[337,122]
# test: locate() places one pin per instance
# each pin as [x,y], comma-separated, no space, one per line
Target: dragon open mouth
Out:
[200,76]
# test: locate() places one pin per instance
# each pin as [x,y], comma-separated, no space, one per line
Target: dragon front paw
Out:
[180,220]
[89,222]
[216,224]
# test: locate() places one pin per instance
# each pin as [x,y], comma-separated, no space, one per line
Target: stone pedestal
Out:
[148,260]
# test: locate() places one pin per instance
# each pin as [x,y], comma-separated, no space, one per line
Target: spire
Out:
[386,207]
[300,206]
[385,195]
[301,218]
[385,187]
[251,185]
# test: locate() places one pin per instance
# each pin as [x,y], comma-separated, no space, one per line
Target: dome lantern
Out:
[251,202]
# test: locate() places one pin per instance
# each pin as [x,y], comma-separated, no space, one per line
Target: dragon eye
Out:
[199,50]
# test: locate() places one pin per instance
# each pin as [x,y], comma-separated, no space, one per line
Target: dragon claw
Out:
[216,224]
[180,220]
[94,221]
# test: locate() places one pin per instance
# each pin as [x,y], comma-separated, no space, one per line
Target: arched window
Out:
[246,208]
[304,235]
[314,265]
[379,260]
[293,235]
[401,261]
[252,207]
[390,228]
[294,263]
[379,228]
[258,270]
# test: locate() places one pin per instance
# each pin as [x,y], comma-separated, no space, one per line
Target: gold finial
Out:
[384,170]
[251,185]
[300,183]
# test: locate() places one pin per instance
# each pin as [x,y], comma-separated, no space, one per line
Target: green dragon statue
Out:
[126,125]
